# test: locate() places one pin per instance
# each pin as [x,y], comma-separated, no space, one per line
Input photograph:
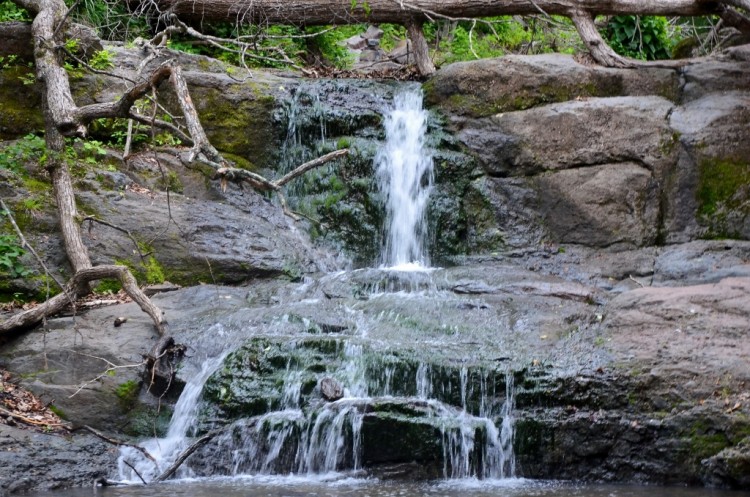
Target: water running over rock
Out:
[267,395]
[404,170]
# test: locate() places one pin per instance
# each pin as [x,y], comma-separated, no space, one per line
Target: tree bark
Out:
[420,48]
[312,12]
[33,316]
[598,48]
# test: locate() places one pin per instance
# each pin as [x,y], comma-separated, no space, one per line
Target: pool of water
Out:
[341,486]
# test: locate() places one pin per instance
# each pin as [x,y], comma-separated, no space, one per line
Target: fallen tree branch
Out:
[736,20]
[300,170]
[32,317]
[185,454]
[260,183]
[598,48]
[119,443]
[31,421]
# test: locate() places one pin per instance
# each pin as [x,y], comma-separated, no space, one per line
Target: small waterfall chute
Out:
[405,177]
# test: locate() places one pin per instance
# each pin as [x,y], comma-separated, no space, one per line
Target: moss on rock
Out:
[723,193]
[20,104]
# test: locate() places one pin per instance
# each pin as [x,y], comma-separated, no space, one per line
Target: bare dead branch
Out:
[736,20]
[31,421]
[185,454]
[94,219]
[33,316]
[310,165]
[260,183]
[119,443]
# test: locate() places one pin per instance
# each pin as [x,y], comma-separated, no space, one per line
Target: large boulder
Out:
[490,86]
[709,192]
[596,171]
[601,205]
[557,161]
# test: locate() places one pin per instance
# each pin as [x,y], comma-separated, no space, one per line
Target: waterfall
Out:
[464,424]
[132,466]
[305,435]
[404,173]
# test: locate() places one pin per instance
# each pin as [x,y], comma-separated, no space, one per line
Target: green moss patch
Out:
[722,195]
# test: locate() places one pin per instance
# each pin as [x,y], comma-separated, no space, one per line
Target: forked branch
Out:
[33,316]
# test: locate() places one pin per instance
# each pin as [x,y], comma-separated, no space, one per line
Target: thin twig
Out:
[135,471]
[120,443]
[33,421]
[94,219]
[185,454]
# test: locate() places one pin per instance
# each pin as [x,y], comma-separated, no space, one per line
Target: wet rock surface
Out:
[607,387]
[32,461]
[569,231]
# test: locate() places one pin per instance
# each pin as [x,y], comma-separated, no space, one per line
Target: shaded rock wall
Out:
[631,363]
[602,157]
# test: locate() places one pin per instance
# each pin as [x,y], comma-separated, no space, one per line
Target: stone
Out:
[331,390]
[356,42]
[402,53]
[709,191]
[601,205]
[577,133]
[490,86]
[373,33]
[729,468]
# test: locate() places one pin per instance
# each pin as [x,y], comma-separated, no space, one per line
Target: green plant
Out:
[112,20]
[9,61]
[58,412]
[393,34]
[102,59]
[28,148]
[115,131]
[467,43]
[640,37]
[10,255]
[28,78]
[154,271]
[108,286]
[127,393]
[92,149]
[32,206]
[9,11]
[328,43]
[165,139]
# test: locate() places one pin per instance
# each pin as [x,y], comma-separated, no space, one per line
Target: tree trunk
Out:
[420,48]
[312,12]
[598,48]
[33,316]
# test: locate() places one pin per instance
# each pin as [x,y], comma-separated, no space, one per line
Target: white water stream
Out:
[326,437]
[404,172]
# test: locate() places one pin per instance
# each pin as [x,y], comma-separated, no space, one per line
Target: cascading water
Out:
[404,172]
[133,466]
[299,432]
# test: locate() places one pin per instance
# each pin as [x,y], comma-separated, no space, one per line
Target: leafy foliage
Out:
[329,43]
[112,20]
[10,255]
[13,157]
[640,37]
[9,11]
[102,59]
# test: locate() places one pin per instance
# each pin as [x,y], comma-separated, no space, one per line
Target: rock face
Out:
[675,168]
[596,226]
